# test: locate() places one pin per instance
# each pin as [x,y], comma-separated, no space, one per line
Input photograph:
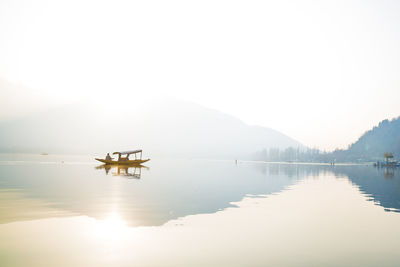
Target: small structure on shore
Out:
[388,161]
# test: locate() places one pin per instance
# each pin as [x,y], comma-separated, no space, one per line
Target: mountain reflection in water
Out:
[168,190]
[381,185]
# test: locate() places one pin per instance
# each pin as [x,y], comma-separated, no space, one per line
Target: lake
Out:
[70,211]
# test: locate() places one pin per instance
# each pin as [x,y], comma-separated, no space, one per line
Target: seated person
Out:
[108,157]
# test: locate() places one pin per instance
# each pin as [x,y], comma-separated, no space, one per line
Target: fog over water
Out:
[320,72]
[161,127]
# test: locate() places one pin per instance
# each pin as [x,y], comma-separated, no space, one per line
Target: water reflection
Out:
[172,189]
[381,185]
[319,222]
[279,215]
[128,171]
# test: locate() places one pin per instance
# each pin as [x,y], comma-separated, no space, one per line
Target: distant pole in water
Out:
[236,161]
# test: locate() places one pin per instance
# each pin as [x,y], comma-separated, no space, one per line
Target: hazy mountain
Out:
[374,143]
[371,146]
[167,127]
[16,100]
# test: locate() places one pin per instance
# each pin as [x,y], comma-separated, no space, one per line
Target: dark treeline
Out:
[293,154]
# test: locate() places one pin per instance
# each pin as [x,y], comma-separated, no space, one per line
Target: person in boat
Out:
[108,157]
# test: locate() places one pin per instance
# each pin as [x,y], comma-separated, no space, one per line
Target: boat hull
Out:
[125,162]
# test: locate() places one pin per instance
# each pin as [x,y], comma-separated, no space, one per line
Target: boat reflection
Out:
[128,171]
[168,192]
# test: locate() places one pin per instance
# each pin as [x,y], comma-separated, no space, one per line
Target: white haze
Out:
[321,72]
[161,127]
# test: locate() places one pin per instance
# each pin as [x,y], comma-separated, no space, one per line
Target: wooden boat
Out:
[123,158]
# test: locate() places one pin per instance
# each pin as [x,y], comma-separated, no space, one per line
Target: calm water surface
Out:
[69,211]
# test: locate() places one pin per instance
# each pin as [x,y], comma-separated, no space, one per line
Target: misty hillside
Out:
[371,146]
[11,96]
[166,128]
[374,143]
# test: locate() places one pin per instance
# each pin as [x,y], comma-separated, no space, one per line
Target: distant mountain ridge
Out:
[166,128]
[374,143]
[371,146]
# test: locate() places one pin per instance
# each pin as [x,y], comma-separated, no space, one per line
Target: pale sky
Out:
[322,72]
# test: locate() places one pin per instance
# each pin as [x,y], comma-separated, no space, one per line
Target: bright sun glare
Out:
[113,228]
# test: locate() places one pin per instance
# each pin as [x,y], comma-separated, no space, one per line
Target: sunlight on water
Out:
[259,215]
[113,228]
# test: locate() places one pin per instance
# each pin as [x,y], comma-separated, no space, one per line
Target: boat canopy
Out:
[128,152]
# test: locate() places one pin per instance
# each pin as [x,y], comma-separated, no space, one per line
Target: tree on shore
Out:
[388,155]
